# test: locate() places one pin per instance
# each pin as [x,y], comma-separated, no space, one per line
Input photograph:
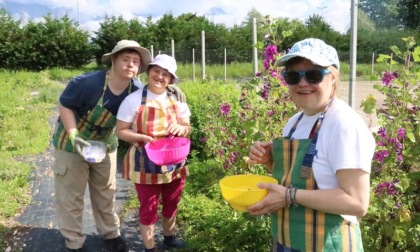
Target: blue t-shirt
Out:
[84,91]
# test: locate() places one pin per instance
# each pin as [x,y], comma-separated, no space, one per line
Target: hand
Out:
[178,129]
[178,92]
[261,153]
[78,142]
[145,138]
[275,200]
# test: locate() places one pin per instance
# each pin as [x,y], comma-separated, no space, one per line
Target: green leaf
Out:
[287,34]
[396,51]
[411,136]
[416,54]
[383,58]
[368,104]
[398,235]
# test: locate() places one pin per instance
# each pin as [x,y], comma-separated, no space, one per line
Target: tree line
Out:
[60,42]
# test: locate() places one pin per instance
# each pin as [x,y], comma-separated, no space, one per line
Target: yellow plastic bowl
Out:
[241,191]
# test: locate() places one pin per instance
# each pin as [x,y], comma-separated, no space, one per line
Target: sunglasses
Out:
[313,77]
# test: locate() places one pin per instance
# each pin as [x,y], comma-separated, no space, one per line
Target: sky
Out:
[90,13]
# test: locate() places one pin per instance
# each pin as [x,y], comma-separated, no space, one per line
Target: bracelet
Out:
[285,196]
[292,193]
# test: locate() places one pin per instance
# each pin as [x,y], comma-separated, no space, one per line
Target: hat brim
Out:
[145,57]
[175,77]
[317,60]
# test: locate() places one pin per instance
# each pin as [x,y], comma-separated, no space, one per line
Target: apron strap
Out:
[306,170]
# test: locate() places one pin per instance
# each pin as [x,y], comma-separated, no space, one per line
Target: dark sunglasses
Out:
[313,77]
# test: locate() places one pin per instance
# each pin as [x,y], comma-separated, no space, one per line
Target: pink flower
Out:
[386,187]
[388,77]
[225,109]
[401,133]
[381,155]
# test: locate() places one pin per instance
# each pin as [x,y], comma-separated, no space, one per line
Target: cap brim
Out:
[313,58]
[145,57]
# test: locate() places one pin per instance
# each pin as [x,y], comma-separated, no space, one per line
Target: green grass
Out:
[29,98]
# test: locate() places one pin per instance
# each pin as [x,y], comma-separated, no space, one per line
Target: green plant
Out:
[258,113]
[393,219]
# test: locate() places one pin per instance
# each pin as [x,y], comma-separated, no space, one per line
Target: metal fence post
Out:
[254,42]
[193,64]
[203,54]
[225,64]
[173,48]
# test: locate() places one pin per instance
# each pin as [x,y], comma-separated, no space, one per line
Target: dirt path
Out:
[39,229]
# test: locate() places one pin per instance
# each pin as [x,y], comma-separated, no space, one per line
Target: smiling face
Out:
[159,79]
[126,64]
[312,99]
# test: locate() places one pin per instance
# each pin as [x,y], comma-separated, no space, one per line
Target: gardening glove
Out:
[77,141]
[178,92]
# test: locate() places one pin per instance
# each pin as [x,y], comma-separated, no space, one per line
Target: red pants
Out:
[148,196]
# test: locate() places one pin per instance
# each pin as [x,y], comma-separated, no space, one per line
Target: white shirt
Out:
[344,142]
[128,107]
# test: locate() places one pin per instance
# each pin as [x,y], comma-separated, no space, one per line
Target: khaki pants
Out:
[71,176]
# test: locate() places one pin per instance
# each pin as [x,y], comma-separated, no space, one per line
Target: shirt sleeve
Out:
[83,92]
[72,96]
[129,106]
[352,148]
[184,110]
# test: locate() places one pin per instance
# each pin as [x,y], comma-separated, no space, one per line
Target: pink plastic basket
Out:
[168,151]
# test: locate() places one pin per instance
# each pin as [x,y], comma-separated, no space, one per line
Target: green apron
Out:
[98,124]
[299,228]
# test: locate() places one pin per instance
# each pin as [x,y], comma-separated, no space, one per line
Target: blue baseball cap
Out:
[314,50]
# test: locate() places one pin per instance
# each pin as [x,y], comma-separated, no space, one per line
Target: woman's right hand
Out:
[261,153]
[146,138]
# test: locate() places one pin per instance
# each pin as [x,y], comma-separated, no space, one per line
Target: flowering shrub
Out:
[392,222]
[259,113]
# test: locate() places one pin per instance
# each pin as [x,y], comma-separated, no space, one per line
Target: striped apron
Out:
[299,228]
[152,119]
[98,124]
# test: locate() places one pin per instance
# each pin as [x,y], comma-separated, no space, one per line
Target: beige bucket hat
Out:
[145,56]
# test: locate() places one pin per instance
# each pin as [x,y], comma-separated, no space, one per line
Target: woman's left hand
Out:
[275,200]
[178,129]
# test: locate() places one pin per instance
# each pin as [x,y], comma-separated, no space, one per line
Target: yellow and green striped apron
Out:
[98,124]
[300,228]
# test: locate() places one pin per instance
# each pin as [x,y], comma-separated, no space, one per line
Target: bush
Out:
[393,219]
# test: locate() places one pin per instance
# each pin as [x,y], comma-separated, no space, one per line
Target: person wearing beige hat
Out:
[322,160]
[87,111]
[148,114]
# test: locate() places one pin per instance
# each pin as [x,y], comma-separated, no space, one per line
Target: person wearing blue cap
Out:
[148,114]
[322,161]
